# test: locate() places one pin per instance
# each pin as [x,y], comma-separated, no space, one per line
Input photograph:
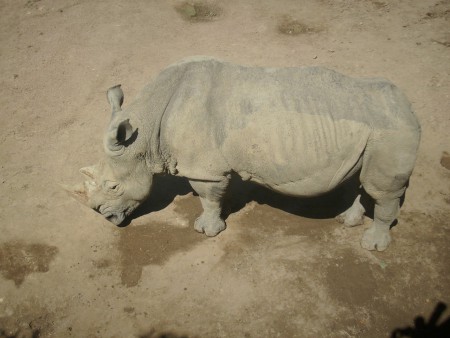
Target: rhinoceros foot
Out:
[209,225]
[376,238]
[354,215]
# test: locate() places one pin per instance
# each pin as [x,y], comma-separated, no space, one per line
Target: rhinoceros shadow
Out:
[166,188]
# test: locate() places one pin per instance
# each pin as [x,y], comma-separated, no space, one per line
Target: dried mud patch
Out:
[290,26]
[18,259]
[155,243]
[349,280]
[198,11]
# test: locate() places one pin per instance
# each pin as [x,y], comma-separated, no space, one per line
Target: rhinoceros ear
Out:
[118,135]
[115,98]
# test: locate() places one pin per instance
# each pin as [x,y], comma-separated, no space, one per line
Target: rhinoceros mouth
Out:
[115,218]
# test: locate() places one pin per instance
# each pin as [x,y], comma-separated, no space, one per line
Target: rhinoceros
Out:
[297,131]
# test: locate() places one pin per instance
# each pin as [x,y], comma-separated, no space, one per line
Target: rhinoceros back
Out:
[291,129]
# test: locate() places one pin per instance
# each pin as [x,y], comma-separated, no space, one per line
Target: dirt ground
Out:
[284,267]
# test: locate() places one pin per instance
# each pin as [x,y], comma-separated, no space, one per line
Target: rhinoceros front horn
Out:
[89,172]
[78,192]
[82,191]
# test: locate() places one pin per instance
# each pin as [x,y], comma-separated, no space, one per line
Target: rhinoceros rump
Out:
[297,131]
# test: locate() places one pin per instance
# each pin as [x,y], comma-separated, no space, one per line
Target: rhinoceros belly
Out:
[294,153]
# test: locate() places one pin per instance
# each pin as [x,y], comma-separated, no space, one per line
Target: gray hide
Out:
[297,131]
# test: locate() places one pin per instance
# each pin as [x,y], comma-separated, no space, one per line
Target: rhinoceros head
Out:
[119,183]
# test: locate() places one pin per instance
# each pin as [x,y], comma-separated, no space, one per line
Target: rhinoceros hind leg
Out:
[386,169]
[377,237]
[354,215]
[211,196]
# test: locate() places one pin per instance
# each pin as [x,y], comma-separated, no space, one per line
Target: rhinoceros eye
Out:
[111,185]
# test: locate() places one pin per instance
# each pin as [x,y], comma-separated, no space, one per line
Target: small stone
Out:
[189,10]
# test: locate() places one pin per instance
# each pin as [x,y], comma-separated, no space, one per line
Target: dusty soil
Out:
[284,267]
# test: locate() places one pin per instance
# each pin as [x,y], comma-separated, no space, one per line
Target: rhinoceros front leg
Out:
[386,169]
[211,196]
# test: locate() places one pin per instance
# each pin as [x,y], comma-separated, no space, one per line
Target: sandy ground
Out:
[284,267]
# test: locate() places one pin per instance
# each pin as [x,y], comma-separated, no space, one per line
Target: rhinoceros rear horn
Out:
[115,98]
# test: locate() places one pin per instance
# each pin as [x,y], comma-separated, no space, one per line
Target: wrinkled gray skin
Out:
[297,131]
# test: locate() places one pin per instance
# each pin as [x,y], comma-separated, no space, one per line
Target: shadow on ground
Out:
[329,205]
[424,329]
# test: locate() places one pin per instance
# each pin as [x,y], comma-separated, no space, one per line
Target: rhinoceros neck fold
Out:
[148,111]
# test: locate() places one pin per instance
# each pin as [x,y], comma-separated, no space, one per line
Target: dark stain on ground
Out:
[18,259]
[289,26]
[28,320]
[155,243]
[445,160]
[102,263]
[350,281]
[198,11]
[128,309]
